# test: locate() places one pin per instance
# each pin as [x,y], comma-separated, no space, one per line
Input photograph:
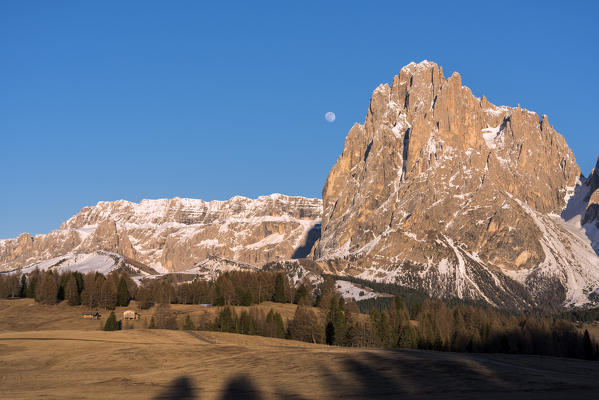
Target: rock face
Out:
[443,191]
[176,234]
[592,207]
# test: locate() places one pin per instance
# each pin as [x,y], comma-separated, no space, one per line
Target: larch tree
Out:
[108,298]
[71,293]
[305,326]
[47,290]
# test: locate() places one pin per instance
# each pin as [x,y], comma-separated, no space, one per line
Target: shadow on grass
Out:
[181,388]
[408,374]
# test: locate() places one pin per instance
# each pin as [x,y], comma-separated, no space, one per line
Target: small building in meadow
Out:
[130,314]
[91,315]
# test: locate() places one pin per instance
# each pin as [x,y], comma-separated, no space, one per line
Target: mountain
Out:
[438,190]
[170,235]
[443,191]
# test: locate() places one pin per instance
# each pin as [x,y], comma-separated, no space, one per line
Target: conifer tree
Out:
[244,324]
[224,322]
[279,295]
[274,325]
[301,295]
[408,338]
[330,333]
[188,325]
[336,317]
[122,293]
[587,346]
[111,323]
[245,297]
[23,286]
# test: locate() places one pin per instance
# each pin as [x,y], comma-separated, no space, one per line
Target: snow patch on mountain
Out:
[490,134]
[100,261]
[569,255]
[350,290]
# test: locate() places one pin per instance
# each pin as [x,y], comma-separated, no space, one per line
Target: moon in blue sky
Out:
[330,116]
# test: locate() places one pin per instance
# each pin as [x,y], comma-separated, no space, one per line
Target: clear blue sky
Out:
[142,99]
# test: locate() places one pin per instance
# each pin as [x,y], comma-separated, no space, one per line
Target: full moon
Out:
[330,116]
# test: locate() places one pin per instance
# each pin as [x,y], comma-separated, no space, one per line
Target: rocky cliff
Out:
[592,197]
[176,234]
[441,190]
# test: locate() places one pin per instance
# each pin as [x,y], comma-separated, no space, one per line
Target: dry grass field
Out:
[27,315]
[49,352]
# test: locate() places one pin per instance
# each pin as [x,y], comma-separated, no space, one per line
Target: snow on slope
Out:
[351,290]
[212,267]
[100,261]
[569,254]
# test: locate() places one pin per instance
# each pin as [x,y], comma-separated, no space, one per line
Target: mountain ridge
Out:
[175,234]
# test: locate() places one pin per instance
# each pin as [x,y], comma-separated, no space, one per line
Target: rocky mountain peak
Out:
[435,173]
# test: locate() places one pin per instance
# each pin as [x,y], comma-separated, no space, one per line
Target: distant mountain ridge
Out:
[171,235]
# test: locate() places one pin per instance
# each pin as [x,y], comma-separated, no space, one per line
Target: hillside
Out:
[142,364]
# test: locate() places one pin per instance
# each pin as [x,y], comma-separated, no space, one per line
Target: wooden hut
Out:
[91,315]
[130,314]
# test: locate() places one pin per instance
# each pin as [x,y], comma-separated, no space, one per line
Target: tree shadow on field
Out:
[238,387]
[413,374]
[180,389]
[241,387]
[365,379]
[419,374]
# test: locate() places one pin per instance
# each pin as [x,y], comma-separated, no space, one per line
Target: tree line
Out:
[93,289]
[322,314]
[434,326]
[96,290]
